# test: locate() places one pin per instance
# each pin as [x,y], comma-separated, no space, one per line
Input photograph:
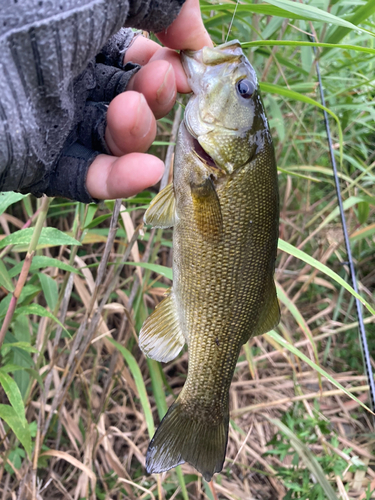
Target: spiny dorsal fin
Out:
[207,210]
[161,337]
[162,209]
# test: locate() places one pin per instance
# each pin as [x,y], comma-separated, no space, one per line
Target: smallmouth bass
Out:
[224,208]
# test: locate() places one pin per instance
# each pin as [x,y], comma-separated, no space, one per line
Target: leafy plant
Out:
[305,477]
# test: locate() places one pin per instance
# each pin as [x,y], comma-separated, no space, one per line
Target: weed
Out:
[309,430]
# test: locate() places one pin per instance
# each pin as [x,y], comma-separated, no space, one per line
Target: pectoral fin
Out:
[161,337]
[207,210]
[270,316]
[162,210]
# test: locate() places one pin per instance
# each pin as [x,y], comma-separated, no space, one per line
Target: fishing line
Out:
[362,331]
[231,23]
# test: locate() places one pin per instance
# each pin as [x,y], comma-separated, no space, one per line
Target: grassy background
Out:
[79,401]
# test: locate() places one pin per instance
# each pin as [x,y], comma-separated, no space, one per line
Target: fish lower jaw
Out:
[207,160]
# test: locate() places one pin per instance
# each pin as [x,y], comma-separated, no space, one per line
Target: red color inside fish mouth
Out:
[198,149]
[205,157]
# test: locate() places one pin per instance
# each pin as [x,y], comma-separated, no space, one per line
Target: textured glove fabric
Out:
[61,64]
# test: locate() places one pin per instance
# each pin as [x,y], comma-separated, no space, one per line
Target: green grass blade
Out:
[299,176]
[350,202]
[314,14]
[262,8]
[5,280]
[157,387]
[284,343]
[14,395]
[161,404]
[7,199]
[299,43]
[317,169]
[22,432]
[50,290]
[299,254]
[361,13]
[138,379]
[156,268]
[49,237]
[277,89]
[41,261]
[181,480]
[364,232]
[39,310]
[282,296]
[25,346]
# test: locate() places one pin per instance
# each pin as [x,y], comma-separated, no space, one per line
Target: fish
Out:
[223,205]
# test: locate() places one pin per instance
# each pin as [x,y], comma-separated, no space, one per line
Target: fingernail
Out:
[166,91]
[143,119]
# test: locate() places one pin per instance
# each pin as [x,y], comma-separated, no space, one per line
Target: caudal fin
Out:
[181,438]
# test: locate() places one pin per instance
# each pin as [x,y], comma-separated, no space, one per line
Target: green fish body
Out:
[224,208]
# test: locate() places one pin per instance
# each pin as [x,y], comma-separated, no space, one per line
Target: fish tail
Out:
[181,438]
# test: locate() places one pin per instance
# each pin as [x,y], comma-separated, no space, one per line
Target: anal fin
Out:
[162,209]
[161,337]
[270,315]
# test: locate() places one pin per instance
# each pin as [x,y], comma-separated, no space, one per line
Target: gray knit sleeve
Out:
[59,69]
[153,15]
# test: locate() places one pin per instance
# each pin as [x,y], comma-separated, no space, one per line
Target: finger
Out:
[141,50]
[187,31]
[112,54]
[110,81]
[144,50]
[171,56]
[109,177]
[131,125]
[90,132]
[157,82]
[68,178]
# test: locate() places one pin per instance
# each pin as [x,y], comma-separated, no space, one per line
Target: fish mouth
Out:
[200,153]
[218,170]
[203,155]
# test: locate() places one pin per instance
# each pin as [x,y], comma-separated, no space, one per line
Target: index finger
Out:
[187,31]
[141,50]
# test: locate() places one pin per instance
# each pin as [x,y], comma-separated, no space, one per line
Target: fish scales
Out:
[224,208]
[219,302]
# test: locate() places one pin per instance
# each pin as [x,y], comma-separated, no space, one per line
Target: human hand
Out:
[151,94]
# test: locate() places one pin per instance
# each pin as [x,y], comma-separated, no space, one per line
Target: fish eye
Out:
[245,88]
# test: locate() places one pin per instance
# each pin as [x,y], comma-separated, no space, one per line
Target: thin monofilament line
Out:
[362,331]
[231,22]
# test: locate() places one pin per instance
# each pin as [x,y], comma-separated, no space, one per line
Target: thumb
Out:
[187,31]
